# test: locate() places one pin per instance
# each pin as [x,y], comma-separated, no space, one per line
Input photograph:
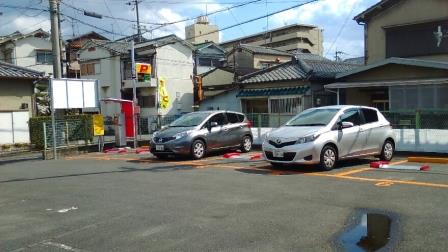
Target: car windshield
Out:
[313,117]
[189,120]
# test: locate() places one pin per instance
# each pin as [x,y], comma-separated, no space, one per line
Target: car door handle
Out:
[225,129]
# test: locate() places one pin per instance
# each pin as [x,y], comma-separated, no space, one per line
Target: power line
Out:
[257,18]
[208,14]
[107,16]
[239,4]
[93,26]
[110,12]
[340,30]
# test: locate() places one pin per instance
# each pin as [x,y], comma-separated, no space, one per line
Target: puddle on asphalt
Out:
[372,232]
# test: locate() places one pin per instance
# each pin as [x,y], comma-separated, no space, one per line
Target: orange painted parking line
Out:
[416,183]
[365,169]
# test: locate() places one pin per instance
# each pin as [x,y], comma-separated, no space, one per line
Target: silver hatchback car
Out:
[197,133]
[325,135]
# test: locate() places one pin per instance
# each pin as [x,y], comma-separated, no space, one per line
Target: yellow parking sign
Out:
[98,125]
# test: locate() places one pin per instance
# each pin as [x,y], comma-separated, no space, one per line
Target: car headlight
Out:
[307,139]
[181,134]
[265,137]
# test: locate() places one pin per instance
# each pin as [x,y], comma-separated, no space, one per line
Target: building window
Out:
[209,62]
[44,57]
[147,101]
[8,56]
[265,65]
[418,97]
[291,105]
[90,68]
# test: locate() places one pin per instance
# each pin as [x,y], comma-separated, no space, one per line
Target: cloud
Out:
[166,15]
[311,12]
[25,24]
[208,6]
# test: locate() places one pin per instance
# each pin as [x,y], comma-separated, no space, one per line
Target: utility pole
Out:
[61,46]
[337,57]
[139,31]
[54,16]
[134,92]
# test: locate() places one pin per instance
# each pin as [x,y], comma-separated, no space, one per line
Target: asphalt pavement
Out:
[129,202]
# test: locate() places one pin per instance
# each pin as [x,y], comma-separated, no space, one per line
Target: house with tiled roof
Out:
[406,56]
[16,101]
[208,56]
[250,58]
[72,48]
[31,50]
[284,89]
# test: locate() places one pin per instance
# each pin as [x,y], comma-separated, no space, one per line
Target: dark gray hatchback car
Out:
[198,133]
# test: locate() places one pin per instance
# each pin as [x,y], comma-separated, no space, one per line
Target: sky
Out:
[335,17]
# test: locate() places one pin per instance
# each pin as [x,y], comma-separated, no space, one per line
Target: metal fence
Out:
[67,133]
[416,119]
[149,124]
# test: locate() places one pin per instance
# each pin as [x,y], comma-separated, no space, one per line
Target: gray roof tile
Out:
[296,70]
[12,71]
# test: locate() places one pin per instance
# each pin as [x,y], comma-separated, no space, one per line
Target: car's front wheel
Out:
[328,158]
[246,144]
[387,153]
[198,149]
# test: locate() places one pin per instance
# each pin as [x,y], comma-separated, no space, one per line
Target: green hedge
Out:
[80,128]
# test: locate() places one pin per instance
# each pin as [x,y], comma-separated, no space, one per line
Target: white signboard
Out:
[74,93]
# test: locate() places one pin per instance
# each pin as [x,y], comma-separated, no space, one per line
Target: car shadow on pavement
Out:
[292,169]
[18,160]
[122,170]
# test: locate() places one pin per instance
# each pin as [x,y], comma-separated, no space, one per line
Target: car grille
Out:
[162,139]
[280,145]
[287,156]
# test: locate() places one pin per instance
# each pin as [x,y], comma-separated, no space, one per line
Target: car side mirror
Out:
[210,125]
[344,125]
[213,124]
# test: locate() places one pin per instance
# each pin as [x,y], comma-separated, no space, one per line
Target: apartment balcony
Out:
[312,37]
[128,83]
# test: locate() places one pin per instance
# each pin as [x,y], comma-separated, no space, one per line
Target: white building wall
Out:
[224,101]
[25,53]
[109,77]
[204,69]
[175,65]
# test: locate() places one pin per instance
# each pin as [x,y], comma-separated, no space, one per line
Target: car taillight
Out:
[249,124]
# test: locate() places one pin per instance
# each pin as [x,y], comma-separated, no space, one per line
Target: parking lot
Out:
[131,202]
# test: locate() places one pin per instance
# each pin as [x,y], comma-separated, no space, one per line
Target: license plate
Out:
[160,148]
[278,153]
